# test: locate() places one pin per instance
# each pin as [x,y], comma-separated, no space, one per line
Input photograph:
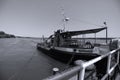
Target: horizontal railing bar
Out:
[105,76]
[113,51]
[88,63]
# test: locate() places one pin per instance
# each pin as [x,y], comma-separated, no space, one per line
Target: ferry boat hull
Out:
[65,56]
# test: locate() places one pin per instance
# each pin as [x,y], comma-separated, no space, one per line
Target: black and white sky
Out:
[35,18]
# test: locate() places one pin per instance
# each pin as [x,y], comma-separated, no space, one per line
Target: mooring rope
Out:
[71,59]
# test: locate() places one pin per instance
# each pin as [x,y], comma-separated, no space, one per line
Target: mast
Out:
[95,37]
[65,19]
[106,32]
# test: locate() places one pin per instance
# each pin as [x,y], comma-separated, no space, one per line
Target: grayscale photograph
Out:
[59,39]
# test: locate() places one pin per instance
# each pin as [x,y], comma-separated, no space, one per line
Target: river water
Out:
[20,60]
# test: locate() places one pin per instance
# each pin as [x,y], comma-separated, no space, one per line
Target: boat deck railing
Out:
[79,70]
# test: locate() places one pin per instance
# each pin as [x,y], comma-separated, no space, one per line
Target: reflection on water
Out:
[20,60]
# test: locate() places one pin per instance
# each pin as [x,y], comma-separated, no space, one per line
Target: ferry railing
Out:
[80,70]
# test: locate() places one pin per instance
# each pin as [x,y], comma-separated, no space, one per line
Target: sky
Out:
[34,18]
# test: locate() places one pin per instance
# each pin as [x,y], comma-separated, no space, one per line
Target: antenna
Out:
[65,19]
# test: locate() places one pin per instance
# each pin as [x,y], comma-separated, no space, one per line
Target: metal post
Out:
[118,56]
[106,35]
[81,74]
[78,75]
[95,37]
[108,64]
[83,38]
[106,31]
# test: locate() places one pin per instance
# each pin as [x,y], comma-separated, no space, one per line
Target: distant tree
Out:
[12,36]
[4,35]
[2,32]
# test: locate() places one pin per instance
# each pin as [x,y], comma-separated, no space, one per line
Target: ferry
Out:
[63,46]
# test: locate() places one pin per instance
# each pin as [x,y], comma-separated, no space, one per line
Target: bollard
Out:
[55,70]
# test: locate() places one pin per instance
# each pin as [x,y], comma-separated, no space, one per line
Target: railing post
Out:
[118,56]
[81,73]
[108,65]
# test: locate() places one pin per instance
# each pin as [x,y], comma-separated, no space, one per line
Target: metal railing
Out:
[80,70]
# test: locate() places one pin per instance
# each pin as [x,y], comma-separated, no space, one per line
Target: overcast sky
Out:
[35,18]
